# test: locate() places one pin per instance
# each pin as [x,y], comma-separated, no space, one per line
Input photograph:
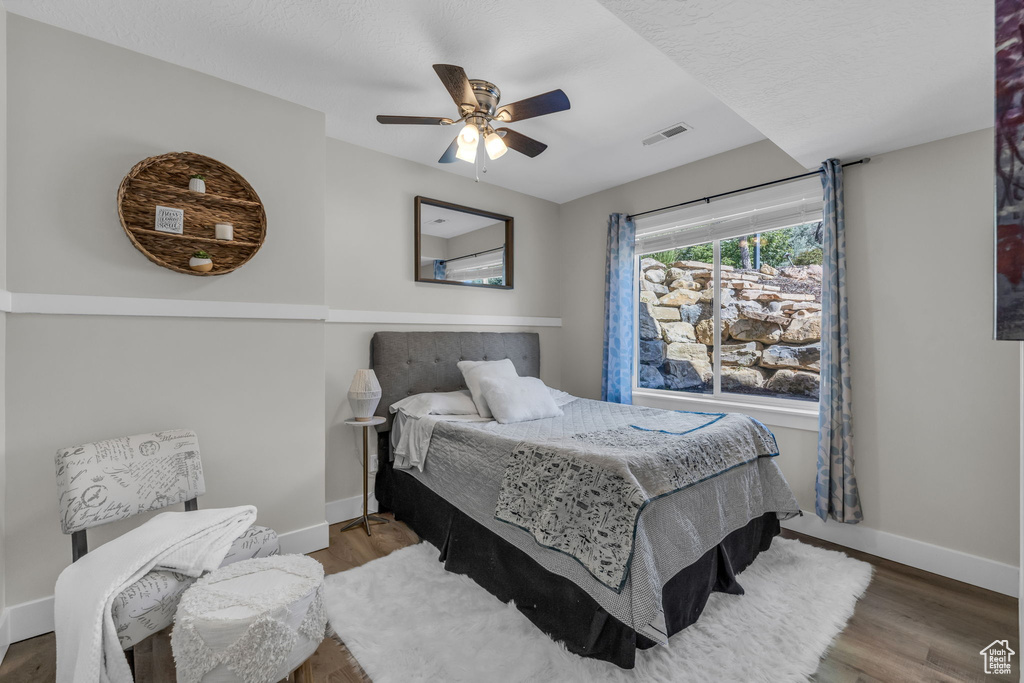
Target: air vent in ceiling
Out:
[670,132]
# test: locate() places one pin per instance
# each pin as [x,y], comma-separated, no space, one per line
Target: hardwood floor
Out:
[909,626]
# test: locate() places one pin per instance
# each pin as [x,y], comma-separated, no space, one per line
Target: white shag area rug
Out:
[407,619]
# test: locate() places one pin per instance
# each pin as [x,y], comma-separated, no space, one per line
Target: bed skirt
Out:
[557,606]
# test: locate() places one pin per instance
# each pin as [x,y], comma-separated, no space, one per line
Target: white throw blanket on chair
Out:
[187,542]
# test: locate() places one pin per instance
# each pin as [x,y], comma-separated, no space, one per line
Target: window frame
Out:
[771,410]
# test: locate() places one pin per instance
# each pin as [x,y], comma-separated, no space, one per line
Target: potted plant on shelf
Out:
[201,262]
[197,182]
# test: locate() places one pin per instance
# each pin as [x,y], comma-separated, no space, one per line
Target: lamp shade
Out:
[494,145]
[364,395]
[469,135]
[466,152]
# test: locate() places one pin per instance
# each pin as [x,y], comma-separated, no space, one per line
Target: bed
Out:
[623,579]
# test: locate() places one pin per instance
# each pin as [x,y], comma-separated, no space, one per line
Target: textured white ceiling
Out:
[455,222]
[833,79]
[354,60]
[819,78]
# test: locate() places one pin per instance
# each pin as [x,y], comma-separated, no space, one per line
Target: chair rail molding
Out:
[78,304]
[74,304]
[410,318]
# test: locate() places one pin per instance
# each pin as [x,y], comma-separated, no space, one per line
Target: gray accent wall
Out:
[83,113]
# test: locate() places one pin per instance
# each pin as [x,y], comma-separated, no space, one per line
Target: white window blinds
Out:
[489,264]
[777,206]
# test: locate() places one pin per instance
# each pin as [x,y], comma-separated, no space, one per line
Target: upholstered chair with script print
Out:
[107,481]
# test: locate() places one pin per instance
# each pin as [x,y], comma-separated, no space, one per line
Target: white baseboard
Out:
[34,618]
[31,619]
[978,571]
[5,633]
[302,541]
[349,508]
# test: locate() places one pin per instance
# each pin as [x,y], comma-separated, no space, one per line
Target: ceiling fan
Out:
[477,101]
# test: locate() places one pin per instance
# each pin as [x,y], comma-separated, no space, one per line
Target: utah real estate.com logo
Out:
[997,657]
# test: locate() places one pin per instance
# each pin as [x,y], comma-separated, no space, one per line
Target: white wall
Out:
[82,113]
[369,240]
[369,257]
[257,410]
[936,407]
[85,112]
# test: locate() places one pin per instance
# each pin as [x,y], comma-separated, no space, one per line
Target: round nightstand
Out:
[366,518]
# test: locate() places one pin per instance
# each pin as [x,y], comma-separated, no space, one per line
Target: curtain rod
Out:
[459,258]
[707,200]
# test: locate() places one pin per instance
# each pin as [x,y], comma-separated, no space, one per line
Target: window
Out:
[730,296]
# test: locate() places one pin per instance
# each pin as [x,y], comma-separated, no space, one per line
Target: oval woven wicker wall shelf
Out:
[163,181]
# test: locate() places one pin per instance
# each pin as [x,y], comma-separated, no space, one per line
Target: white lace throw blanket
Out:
[583,495]
[190,543]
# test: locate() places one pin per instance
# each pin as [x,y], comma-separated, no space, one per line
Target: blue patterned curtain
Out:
[619,299]
[836,485]
[439,269]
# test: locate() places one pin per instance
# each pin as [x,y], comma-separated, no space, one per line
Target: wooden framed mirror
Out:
[459,245]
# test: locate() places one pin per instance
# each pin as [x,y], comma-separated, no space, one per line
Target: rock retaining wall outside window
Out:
[771,329]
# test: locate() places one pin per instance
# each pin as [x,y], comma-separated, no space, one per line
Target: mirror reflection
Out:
[460,245]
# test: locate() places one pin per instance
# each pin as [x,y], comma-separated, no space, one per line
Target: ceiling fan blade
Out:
[449,154]
[521,143]
[455,82]
[415,120]
[538,105]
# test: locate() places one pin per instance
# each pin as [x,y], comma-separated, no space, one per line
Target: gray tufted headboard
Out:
[408,363]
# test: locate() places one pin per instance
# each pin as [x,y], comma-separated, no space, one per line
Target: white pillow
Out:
[519,400]
[442,403]
[473,371]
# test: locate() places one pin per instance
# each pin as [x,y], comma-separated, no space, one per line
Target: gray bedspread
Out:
[698,505]
[582,495]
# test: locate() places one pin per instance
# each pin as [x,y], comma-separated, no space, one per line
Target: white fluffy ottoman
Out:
[254,621]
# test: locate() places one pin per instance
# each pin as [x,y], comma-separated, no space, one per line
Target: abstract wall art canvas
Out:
[1009,160]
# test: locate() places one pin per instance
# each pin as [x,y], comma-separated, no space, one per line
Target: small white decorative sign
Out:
[170,220]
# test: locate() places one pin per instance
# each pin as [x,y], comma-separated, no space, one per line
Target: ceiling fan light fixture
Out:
[466,152]
[479,104]
[469,135]
[494,145]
